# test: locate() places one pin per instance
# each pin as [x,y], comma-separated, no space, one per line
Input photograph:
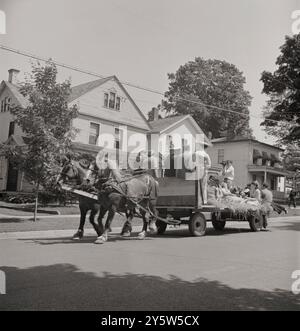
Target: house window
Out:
[5,104]
[94,133]
[112,100]
[273,184]
[11,129]
[220,155]
[2,167]
[118,138]
[118,103]
[106,96]
[2,106]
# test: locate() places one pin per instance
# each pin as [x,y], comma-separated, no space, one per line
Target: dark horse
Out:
[74,173]
[122,194]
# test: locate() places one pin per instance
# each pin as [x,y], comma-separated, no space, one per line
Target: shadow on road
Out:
[11,220]
[85,240]
[64,287]
[170,234]
[290,225]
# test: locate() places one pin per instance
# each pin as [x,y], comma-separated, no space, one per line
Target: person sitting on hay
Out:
[223,198]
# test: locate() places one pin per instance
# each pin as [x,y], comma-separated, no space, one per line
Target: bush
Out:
[45,197]
[18,198]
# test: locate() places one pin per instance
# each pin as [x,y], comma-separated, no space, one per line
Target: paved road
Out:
[236,269]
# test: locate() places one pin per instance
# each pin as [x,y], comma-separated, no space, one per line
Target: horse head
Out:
[71,173]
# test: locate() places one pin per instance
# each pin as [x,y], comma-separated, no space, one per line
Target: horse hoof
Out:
[142,235]
[78,235]
[152,229]
[126,234]
[100,240]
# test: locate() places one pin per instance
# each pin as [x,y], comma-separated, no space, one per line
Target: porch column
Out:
[265,176]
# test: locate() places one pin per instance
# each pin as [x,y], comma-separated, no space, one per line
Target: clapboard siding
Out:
[92,104]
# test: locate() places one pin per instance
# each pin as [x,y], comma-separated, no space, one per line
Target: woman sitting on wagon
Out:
[223,198]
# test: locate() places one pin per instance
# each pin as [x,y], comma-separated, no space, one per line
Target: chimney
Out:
[12,76]
[210,135]
[155,114]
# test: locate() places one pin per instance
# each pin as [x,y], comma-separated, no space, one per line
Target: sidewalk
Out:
[89,232]
[17,223]
[27,209]
[27,217]
[52,234]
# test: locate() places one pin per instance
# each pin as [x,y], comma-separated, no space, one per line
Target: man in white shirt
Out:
[228,174]
[202,163]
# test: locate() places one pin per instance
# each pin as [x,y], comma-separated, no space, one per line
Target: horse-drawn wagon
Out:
[178,200]
[182,200]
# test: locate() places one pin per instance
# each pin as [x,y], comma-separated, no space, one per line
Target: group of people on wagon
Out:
[223,193]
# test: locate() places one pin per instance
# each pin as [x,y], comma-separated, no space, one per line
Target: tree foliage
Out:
[282,113]
[291,158]
[199,84]
[46,125]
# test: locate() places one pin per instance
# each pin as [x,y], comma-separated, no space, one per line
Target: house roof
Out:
[164,123]
[79,90]
[15,90]
[76,92]
[240,138]
[161,125]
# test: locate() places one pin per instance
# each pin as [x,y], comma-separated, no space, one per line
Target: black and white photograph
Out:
[149,158]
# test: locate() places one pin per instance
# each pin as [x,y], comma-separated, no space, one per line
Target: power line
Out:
[75,68]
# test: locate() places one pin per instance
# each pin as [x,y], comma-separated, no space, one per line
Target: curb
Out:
[27,217]
[53,234]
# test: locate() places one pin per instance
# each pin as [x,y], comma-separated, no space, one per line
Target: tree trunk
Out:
[36,202]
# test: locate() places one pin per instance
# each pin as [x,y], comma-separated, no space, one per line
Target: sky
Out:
[141,41]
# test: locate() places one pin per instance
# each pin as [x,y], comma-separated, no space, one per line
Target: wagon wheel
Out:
[161,226]
[217,224]
[254,223]
[197,225]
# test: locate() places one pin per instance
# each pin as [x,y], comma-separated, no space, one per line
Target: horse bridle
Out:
[70,165]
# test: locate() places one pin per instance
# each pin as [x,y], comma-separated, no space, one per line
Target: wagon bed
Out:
[182,200]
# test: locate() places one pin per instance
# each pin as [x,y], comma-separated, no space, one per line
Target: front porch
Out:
[274,177]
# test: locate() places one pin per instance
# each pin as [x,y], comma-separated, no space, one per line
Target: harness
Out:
[114,185]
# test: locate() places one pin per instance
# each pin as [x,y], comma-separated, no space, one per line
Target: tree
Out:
[200,87]
[47,128]
[282,113]
[291,161]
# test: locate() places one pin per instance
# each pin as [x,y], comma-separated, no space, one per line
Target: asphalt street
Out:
[231,270]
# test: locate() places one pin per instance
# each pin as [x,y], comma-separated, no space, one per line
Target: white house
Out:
[252,160]
[105,110]
[105,107]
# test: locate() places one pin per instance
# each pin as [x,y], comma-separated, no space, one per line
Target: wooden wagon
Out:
[182,200]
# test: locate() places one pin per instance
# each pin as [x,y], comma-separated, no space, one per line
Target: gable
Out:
[182,127]
[185,126]
[92,104]
[164,123]
[7,117]
[8,90]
